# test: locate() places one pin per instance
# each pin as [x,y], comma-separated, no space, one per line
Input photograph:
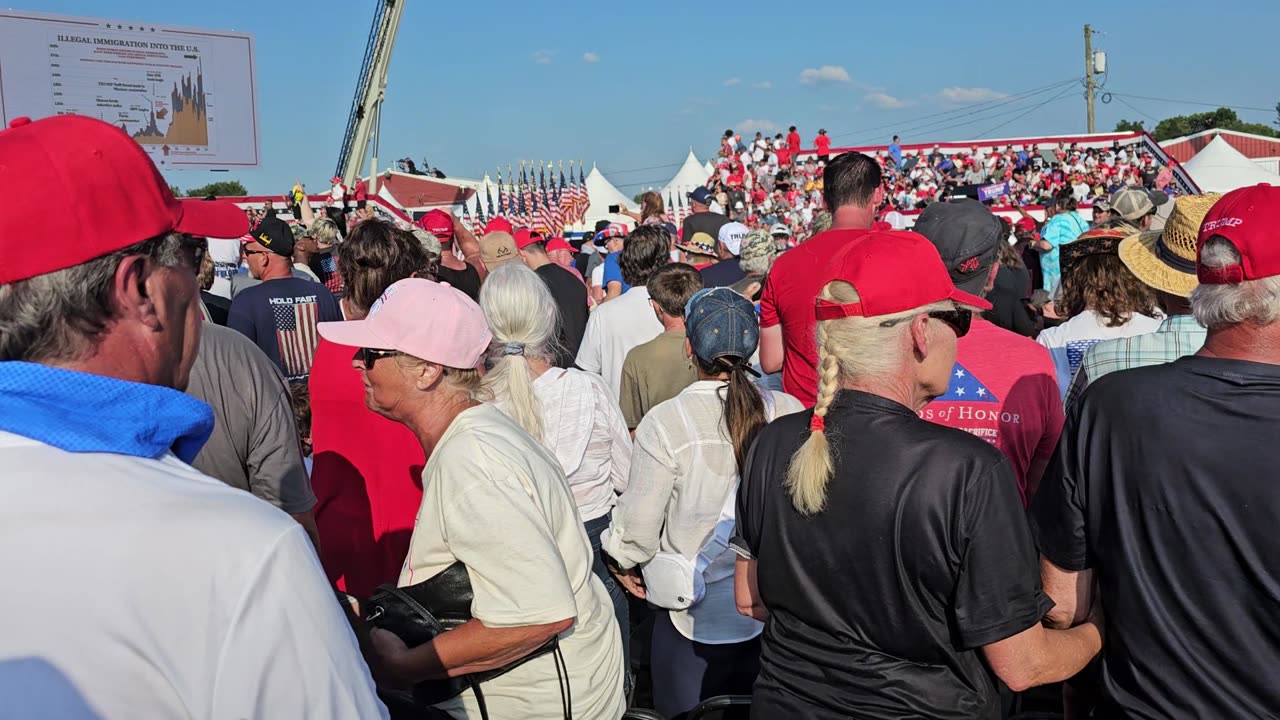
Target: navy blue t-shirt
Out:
[280,316]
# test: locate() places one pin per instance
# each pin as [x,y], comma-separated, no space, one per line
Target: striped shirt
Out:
[1176,337]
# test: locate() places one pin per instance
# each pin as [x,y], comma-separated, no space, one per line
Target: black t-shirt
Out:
[570,295]
[1009,297]
[467,279]
[723,273]
[1164,483]
[707,222]
[217,306]
[880,603]
[280,316]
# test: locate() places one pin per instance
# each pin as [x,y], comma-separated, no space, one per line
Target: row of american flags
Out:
[540,201]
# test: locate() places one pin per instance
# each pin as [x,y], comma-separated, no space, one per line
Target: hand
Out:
[630,579]
[387,658]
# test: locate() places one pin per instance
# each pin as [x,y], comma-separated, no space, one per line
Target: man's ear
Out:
[132,291]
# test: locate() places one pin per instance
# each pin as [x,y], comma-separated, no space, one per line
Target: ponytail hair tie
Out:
[817,423]
[513,348]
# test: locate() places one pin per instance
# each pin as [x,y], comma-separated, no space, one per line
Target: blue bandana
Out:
[79,412]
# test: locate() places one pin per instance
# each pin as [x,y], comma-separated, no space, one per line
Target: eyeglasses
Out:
[959,320]
[369,356]
[248,252]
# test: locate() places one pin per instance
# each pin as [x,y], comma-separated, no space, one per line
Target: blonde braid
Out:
[811,466]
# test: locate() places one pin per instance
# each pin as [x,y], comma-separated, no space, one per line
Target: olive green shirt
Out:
[654,373]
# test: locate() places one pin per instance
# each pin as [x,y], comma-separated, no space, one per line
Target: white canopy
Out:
[711,169]
[1221,168]
[690,175]
[601,193]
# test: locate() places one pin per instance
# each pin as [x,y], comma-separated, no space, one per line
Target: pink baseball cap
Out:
[418,317]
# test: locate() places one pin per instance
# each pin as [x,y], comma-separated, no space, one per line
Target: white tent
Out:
[1221,168]
[690,175]
[601,193]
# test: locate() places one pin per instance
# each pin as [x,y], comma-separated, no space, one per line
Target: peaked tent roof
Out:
[601,193]
[1219,167]
[690,175]
[711,169]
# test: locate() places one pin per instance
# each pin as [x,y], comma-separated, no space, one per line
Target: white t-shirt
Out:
[1068,342]
[226,261]
[140,588]
[583,426]
[612,330]
[498,501]
[682,470]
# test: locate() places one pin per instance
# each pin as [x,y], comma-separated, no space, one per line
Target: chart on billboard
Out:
[186,95]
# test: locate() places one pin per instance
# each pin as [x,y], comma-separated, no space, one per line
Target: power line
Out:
[654,167]
[1191,102]
[1141,112]
[937,126]
[1059,96]
[972,108]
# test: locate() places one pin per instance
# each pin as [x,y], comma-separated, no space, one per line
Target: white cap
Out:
[780,229]
[731,236]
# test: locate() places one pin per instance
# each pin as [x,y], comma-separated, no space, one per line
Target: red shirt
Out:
[823,144]
[784,154]
[1003,389]
[788,299]
[367,477]
[793,142]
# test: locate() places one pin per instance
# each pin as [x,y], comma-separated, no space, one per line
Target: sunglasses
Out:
[369,356]
[248,252]
[959,320]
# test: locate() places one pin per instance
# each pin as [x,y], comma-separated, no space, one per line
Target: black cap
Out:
[274,234]
[968,238]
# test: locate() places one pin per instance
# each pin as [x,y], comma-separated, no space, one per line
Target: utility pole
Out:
[1088,74]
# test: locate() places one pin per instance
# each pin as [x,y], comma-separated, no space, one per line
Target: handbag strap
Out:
[416,607]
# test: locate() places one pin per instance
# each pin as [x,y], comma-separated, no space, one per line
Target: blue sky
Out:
[478,85]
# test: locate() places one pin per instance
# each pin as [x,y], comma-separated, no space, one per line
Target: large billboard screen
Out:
[186,95]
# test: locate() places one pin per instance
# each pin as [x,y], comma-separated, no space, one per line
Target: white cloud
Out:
[750,126]
[543,57]
[885,102]
[590,57]
[732,82]
[762,85]
[824,75]
[965,96]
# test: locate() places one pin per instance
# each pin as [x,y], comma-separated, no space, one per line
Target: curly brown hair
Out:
[1103,284]
[377,254]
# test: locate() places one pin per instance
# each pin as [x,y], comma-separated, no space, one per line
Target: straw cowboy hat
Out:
[1166,259]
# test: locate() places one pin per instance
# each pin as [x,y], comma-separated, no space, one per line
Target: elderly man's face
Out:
[175,296]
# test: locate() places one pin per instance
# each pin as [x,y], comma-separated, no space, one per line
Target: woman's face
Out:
[387,384]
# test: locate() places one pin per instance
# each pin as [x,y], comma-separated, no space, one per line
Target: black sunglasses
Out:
[369,356]
[247,251]
[959,320]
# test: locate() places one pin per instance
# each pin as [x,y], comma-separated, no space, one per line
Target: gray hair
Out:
[60,316]
[523,319]
[1214,306]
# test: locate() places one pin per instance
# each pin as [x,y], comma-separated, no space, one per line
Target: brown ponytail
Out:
[743,405]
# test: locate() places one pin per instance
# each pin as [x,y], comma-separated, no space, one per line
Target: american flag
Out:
[488,194]
[504,202]
[297,336]
[584,201]
[964,387]
[565,198]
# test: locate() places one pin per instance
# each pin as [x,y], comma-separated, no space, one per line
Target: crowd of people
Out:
[843,469]
[763,182]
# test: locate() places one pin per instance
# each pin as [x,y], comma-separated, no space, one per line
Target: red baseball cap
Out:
[525,237]
[893,272]
[438,223]
[1250,218]
[558,243]
[498,224]
[98,193]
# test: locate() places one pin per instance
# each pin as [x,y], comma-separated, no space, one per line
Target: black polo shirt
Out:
[880,604]
[570,295]
[1164,483]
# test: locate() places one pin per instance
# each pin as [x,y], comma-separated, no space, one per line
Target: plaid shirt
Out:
[1176,337]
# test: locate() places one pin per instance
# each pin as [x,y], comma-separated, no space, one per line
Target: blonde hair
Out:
[523,319]
[848,348]
[462,381]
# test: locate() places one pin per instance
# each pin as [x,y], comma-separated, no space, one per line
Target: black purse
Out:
[418,614]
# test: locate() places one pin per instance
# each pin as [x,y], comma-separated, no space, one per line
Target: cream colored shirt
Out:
[498,501]
[682,470]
